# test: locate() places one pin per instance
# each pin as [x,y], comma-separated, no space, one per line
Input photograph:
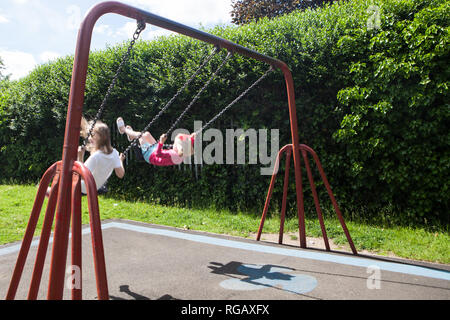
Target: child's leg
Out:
[146,142]
[147,137]
[131,133]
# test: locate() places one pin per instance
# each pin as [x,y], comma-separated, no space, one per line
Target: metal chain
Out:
[197,96]
[169,146]
[140,27]
[135,141]
[236,100]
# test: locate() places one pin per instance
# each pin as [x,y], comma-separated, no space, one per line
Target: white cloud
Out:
[48,56]
[192,12]
[17,63]
[39,18]
[74,17]
[103,29]
[47,27]
[3,19]
[126,30]
[155,33]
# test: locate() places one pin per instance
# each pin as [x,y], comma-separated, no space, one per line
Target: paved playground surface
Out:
[149,262]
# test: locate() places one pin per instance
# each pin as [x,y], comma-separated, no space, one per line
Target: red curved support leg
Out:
[266,205]
[304,149]
[76,236]
[31,227]
[330,193]
[300,202]
[269,192]
[96,231]
[60,244]
[285,189]
[316,199]
[44,239]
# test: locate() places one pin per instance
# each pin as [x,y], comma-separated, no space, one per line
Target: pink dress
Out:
[161,157]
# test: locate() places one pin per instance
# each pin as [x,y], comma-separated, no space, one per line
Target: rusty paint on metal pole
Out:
[31,227]
[285,190]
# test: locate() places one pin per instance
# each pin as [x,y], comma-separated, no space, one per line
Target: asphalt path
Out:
[150,262]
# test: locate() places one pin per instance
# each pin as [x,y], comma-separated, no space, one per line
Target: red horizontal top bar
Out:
[141,15]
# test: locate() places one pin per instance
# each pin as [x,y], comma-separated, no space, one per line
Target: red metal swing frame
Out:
[65,194]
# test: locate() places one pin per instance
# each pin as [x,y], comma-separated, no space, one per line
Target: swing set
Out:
[66,175]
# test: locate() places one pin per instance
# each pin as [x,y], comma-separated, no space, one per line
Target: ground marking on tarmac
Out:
[303,254]
[268,276]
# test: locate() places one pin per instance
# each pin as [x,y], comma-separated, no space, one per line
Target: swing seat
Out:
[103,189]
[138,153]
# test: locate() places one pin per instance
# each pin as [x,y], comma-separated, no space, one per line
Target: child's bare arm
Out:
[160,156]
[120,172]
[159,151]
[81,151]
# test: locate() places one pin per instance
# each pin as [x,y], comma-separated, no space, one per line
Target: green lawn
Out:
[413,243]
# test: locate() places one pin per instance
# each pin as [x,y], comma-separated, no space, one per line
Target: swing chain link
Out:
[235,100]
[135,141]
[140,27]
[197,96]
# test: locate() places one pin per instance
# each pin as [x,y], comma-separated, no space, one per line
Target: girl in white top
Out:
[103,159]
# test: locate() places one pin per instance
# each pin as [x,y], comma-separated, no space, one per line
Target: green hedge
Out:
[372,102]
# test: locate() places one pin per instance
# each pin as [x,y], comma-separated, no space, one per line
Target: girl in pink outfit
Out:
[152,150]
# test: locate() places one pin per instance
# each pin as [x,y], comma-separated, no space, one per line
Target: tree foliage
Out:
[245,11]
[397,110]
[2,68]
[373,102]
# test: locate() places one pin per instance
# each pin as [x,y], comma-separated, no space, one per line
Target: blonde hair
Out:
[183,146]
[101,130]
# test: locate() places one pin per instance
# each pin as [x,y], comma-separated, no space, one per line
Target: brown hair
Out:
[103,142]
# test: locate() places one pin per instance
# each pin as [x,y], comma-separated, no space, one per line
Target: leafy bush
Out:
[372,100]
[395,127]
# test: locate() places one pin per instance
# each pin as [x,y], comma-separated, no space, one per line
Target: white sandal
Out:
[129,139]
[120,125]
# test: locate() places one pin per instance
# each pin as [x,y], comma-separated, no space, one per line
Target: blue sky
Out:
[33,32]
